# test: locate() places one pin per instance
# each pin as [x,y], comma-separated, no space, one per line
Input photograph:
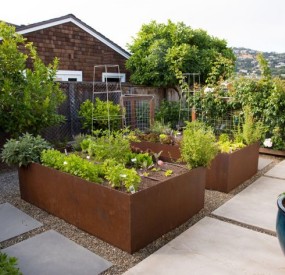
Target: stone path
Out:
[46,253]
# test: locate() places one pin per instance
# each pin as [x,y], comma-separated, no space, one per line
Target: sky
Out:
[254,24]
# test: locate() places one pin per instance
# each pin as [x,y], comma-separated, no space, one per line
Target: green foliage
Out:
[72,164]
[160,128]
[25,150]
[119,176]
[252,131]
[198,146]
[29,96]
[222,69]
[100,114]
[115,146]
[168,173]
[212,108]
[168,113]
[266,98]
[140,160]
[226,145]
[8,265]
[161,53]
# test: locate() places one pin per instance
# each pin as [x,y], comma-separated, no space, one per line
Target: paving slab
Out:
[278,171]
[211,247]
[263,162]
[14,222]
[52,253]
[256,205]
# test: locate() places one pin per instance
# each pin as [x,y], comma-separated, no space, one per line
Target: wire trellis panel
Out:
[139,111]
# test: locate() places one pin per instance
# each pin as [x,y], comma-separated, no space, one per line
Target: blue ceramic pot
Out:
[280,222]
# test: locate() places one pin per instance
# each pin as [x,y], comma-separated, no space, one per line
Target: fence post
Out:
[72,111]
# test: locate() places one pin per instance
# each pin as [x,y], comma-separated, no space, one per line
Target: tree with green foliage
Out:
[162,53]
[29,96]
[266,98]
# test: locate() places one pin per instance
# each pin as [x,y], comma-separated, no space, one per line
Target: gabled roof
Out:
[23,29]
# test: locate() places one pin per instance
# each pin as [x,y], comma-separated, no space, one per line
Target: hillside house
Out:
[78,46]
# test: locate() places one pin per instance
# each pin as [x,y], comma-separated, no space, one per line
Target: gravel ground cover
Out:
[122,261]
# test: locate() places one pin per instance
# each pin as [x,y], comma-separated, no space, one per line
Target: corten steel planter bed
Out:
[228,171]
[128,221]
[169,152]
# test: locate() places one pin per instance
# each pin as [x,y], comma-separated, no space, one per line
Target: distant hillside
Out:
[247,64]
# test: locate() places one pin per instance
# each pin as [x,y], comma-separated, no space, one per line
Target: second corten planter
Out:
[227,171]
[128,221]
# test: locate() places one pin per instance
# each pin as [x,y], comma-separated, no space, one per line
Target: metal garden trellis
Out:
[118,91]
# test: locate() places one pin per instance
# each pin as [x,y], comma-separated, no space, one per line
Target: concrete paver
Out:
[52,253]
[14,222]
[278,171]
[263,162]
[212,247]
[255,205]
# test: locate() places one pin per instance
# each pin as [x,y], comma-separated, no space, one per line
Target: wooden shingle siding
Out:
[76,49]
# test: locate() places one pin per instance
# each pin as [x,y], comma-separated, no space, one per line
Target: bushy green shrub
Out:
[8,265]
[100,110]
[198,146]
[25,150]
[115,145]
[29,96]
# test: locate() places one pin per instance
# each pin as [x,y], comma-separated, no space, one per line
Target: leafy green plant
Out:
[73,164]
[29,96]
[168,173]
[252,131]
[198,146]
[119,176]
[140,160]
[102,111]
[168,113]
[25,150]
[115,146]
[226,145]
[8,265]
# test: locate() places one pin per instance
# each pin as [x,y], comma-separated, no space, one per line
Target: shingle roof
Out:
[23,29]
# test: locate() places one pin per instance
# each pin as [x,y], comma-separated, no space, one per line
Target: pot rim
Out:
[280,200]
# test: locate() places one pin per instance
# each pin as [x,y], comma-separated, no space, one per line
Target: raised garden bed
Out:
[228,171]
[128,221]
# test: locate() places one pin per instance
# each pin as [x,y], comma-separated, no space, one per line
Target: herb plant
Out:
[25,150]
[8,265]
[198,146]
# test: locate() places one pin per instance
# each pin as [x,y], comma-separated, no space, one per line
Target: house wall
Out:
[76,49]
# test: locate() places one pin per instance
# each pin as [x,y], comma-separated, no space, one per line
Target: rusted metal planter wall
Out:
[128,221]
[272,152]
[228,171]
[169,152]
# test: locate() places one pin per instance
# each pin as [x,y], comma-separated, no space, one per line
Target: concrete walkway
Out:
[213,246]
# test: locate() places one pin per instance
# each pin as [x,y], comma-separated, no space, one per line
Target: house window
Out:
[113,77]
[62,75]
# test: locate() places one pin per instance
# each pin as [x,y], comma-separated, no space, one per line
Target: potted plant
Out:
[280,221]
[105,198]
